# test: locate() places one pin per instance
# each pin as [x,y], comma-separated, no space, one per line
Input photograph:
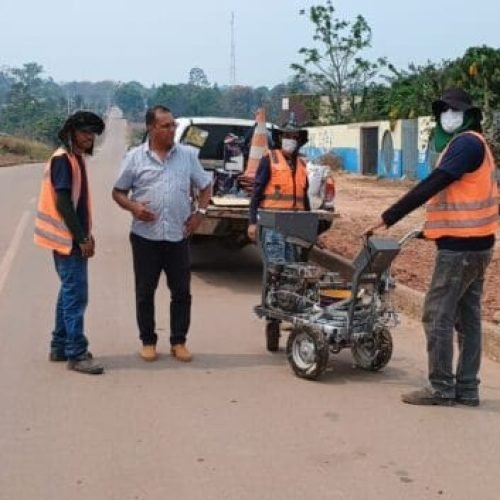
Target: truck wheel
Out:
[307,352]
[375,352]
[273,335]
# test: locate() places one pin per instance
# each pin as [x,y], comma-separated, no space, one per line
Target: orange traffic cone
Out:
[258,148]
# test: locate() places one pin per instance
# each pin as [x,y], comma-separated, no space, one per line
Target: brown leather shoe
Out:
[148,352]
[180,352]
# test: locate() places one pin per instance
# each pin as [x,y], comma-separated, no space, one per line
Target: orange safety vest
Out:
[285,191]
[50,229]
[467,207]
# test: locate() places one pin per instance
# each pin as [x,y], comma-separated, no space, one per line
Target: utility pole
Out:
[68,103]
[232,70]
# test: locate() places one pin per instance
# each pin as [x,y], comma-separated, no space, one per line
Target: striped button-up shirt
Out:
[165,186]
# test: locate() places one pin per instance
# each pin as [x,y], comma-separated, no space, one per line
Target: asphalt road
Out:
[234,424]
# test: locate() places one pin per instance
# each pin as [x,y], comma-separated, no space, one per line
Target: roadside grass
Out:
[18,150]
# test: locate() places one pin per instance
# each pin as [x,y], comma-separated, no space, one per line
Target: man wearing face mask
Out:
[280,184]
[462,218]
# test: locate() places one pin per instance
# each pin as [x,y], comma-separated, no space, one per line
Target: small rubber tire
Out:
[307,351]
[273,335]
[373,354]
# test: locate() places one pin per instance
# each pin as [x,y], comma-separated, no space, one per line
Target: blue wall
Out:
[396,166]
[350,156]
[423,166]
[351,161]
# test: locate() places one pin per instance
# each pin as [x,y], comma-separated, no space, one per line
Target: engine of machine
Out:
[298,288]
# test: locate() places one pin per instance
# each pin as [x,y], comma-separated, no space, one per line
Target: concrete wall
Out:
[425,125]
[345,141]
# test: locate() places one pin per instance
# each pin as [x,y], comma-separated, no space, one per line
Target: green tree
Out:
[35,106]
[5,84]
[94,96]
[198,78]
[170,96]
[238,102]
[478,72]
[412,91]
[131,99]
[335,67]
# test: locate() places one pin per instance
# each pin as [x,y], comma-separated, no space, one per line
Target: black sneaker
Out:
[85,365]
[426,397]
[55,357]
[467,401]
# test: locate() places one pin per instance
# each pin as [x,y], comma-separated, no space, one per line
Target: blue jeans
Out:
[454,301]
[68,338]
[275,248]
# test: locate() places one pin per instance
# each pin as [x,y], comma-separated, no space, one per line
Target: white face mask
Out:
[451,120]
[289,145]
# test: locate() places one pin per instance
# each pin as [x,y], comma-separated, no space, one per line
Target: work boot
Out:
[180,352]
[426,397]
[55,357]
[467,401]
[148,352]
[85,365]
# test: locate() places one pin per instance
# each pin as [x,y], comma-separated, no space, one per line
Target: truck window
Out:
[213,149]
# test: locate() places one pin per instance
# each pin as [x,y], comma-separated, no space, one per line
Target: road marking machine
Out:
[331,303]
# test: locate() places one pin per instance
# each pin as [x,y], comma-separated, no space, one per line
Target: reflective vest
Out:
[285,191]
[50,229]
[467,207]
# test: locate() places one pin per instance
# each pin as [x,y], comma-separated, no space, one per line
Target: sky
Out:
[159,41]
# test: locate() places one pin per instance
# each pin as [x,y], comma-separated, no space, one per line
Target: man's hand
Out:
[370,230]
[252,231]
[192,224]
[141,211]
[88,247]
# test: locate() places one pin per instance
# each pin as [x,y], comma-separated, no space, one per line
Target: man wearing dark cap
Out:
[63,224]
[462,218]
[280,184]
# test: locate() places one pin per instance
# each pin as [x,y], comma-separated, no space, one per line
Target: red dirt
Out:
[359,203]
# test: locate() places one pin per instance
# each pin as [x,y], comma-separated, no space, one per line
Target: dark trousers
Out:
[150,259]
[454,302]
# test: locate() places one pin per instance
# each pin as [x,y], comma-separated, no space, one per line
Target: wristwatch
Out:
[202,211]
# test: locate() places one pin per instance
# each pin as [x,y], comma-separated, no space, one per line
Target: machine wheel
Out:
[375,352]
[273,335]
[307,352]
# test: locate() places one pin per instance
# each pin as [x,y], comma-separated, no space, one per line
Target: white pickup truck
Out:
[224,151]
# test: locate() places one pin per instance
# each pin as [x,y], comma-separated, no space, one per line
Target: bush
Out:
[25,148]
[331,160]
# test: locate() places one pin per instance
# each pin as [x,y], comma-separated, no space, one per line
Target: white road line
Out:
[10,254]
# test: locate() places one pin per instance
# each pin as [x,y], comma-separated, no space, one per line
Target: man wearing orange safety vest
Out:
[462,218]
[280,184]
[63,224]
